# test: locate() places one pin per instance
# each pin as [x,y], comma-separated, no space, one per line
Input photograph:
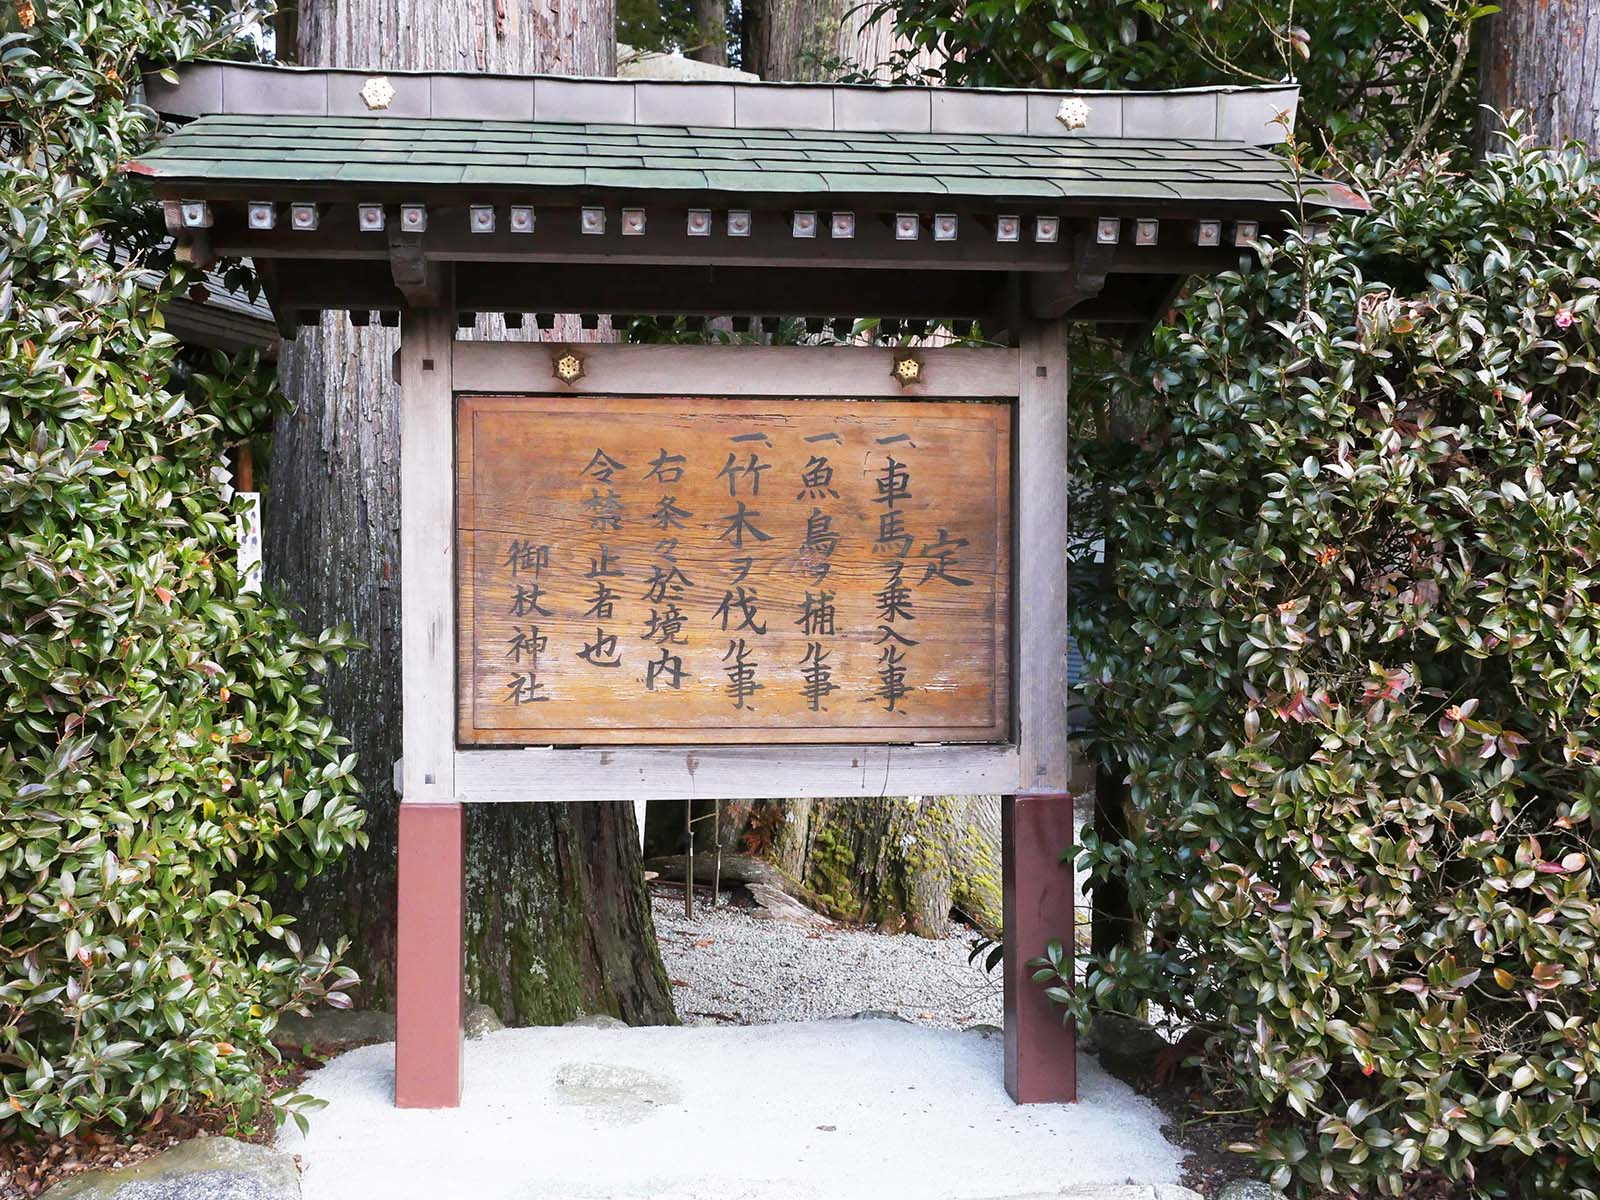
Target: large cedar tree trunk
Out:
[811,40]
[558,920]
[710,20]
[1544,56]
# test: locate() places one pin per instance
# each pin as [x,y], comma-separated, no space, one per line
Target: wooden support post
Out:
[429,964]
[427,556]
[1036,824]
[1040,1051]
[1040,529]
[430,1000]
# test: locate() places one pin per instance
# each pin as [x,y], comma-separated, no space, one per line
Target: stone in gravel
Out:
[985,1031]
[1248,1189]
[620,1095]
[334,1029]
[1128,1048]
[481,1019]
[875,1014]
[598,1021]
[775,904]
[211,1168]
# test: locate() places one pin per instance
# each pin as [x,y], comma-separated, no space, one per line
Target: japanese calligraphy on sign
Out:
[713,570]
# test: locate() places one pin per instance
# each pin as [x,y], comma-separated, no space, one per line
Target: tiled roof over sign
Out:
[378,152]
[337,131]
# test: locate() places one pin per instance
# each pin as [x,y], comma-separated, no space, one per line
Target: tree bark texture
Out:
[710,32]
[814,40]
[558,920]
[332,548]
[1543,56]
[902,864]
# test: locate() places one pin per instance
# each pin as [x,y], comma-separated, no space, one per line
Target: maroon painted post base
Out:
[1041,1051]
[429,980]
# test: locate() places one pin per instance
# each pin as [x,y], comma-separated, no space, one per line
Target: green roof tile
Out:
[415,173]
[406,151]
[637,178]
[525,176]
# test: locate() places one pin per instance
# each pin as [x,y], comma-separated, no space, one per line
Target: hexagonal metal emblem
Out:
[377,92]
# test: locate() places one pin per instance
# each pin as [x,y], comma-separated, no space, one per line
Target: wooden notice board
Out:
[713,570]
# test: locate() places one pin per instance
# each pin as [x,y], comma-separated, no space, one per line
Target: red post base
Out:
[1041,1051]
[429,983]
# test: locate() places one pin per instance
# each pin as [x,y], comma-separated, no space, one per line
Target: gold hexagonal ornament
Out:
[907,369]
[1073,113]
[568,366]
[377,93]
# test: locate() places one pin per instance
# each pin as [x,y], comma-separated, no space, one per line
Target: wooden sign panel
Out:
[698,570]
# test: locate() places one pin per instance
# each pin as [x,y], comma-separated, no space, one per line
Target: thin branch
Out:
[1452,81]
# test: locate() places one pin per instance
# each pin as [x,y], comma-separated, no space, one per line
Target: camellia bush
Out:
[1352,660]
[161,753]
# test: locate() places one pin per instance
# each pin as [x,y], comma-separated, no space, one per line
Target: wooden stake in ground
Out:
[688,879]
[716,839]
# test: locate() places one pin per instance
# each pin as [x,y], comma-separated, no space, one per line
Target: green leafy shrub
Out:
[1374,79]
[1352,659]
[160,748]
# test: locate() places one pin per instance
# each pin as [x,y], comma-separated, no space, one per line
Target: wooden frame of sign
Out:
[1017,748]
[1020,744]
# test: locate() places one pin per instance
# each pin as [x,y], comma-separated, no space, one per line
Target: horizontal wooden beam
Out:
[732,772]
[648,290]
[295,286]
[559,237]
[786,371]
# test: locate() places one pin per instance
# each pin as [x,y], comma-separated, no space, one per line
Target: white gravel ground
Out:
[834,1110]
[729,968]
